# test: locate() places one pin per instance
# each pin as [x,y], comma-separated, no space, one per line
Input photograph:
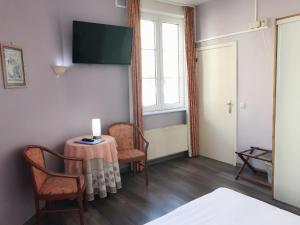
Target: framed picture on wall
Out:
[12,67]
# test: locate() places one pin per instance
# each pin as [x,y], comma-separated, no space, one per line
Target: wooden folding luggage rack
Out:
[254,153]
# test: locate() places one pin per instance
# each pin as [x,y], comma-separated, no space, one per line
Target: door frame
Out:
[235,107]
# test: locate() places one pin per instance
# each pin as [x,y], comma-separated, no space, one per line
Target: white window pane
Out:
[147,34]
[148,63]
[170,36]
[149,92]
[170,63]
[171,91]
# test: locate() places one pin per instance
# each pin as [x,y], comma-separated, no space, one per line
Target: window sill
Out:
[150,113]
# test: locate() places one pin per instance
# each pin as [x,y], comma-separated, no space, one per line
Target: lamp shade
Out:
[96,128]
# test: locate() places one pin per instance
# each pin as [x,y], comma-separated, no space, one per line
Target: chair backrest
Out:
[35,155]
[123,133]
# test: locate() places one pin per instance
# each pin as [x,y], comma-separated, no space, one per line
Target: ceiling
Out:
[185,2]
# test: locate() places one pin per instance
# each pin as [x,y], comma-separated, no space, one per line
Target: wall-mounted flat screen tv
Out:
[101,44]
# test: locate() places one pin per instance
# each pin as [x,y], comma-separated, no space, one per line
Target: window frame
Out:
[158,20]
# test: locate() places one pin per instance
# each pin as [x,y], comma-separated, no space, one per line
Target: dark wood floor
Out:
[172,184]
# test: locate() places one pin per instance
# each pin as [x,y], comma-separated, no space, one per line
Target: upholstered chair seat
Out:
[56,187]
[131,154]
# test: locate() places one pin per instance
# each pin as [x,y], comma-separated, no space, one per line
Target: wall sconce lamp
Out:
[96,128]
[59,70]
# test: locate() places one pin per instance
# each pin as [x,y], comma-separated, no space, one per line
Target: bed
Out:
[227,207]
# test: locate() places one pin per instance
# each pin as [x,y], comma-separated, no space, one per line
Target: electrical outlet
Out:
[243,105]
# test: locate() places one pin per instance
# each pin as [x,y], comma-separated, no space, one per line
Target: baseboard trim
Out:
[168,157]
[126,169]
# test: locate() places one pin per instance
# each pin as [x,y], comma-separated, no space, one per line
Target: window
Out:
[162,63]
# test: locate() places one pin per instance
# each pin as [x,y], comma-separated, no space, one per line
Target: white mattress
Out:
[227,207]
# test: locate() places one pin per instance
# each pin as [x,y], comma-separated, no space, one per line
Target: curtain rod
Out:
[232,34]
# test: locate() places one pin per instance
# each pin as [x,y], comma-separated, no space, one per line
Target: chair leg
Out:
[48,205]
[38,211]
[131,167]
[79,200]
[134,168]
[146,173]
[86,203]
[139,169]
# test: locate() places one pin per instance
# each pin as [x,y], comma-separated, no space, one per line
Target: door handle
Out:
[230,104]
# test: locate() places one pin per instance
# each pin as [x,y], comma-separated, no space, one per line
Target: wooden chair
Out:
[127,152]
[50,186]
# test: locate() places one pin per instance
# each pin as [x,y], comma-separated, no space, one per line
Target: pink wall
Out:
[255,59]
[51,109]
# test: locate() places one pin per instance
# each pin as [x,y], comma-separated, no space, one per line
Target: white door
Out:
[287,129]
[217,71]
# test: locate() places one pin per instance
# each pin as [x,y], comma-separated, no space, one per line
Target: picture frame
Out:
[13,67]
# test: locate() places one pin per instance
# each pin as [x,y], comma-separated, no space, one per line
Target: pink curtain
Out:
[134,17]
[192,80]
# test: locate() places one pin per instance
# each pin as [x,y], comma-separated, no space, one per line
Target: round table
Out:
[101,167]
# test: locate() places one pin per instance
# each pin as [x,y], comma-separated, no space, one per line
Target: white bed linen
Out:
[227,207]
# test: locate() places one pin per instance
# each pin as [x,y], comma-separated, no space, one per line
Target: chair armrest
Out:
[51,173]
[143,137]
